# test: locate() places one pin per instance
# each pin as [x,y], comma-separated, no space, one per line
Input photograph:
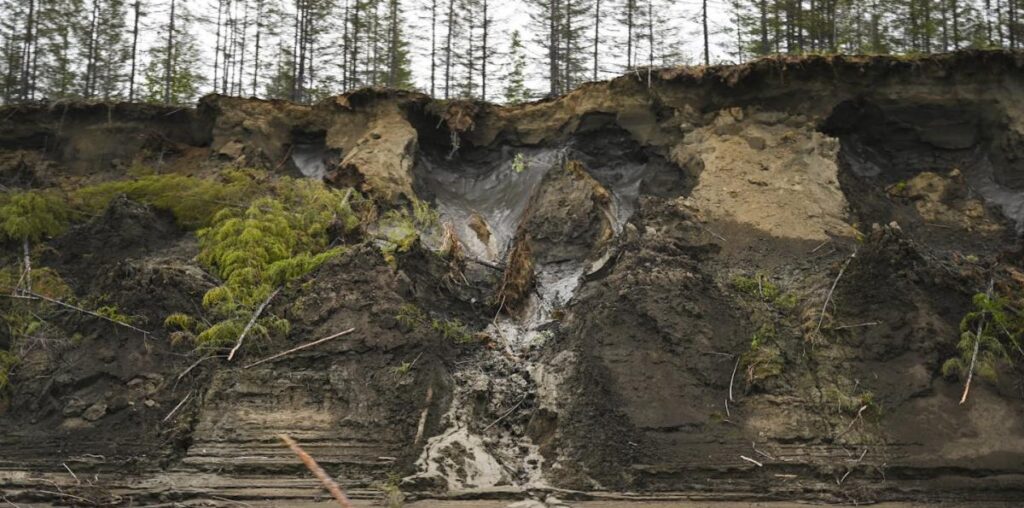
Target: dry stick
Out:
[423,417]
[509,412]
[73,475]
[835,283]
[317,471]
[733,377]
[857,418]
[759,452]
[865,452]
[300,348]
[62,494]
[28,264]
[176,408]
[858,325]
[752,461]
[79,309]
[822,244]
[977,344]
[196,364]
[252,321]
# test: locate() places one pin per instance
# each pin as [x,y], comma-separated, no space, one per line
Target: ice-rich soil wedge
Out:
[765,281]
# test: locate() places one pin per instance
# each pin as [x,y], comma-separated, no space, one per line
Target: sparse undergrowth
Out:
[454,330]
[399,229]
[990,337]
[764,360]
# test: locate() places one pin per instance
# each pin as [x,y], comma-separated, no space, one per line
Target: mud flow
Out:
[499,200]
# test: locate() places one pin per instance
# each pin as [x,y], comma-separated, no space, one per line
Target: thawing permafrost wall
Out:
[497,196]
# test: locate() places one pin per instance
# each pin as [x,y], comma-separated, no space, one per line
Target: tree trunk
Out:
[169,64]
[597,34]
[28,264]
[483,54]
[704,23]
[956,25]
[764,27]
[216,47]
[26,53]
[630,6]
[433,45]
[393,43]
[448,50]
[256,56]
[135,47]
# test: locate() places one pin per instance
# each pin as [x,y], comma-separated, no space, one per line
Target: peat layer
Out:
[735,282]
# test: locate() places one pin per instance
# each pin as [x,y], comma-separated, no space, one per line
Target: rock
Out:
[95,412]
[553,502]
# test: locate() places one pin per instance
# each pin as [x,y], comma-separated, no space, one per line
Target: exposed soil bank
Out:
[651,281]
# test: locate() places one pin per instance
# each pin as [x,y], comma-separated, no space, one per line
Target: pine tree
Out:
[171,75]
[58,31]
[515,78]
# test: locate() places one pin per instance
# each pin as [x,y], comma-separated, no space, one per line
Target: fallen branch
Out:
[502,417]
[196,364]
[752,461]
[835,283]
[483,262]
[300,348]
[753,445]
[977,344]
[27,266]
[176,408]
[858,325]
[79,309]
[857,418]
[73,475]
[733,378]
[252,321]
[317,471]
[712,233]
[63,495]
[423,416]
[865,452]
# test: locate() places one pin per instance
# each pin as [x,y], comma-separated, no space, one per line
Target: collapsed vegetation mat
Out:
[792,279]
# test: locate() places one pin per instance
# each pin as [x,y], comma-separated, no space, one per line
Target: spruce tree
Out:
[515,78]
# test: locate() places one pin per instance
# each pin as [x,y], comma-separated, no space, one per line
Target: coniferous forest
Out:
[172,51]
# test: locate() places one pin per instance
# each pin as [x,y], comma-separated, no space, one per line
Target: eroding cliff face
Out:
[736,280]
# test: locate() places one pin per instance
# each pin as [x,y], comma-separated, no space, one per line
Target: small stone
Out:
[95,411]
[529,503]
[149,403]
[554,502]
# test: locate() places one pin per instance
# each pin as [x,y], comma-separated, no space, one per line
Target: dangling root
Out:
[518,279]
